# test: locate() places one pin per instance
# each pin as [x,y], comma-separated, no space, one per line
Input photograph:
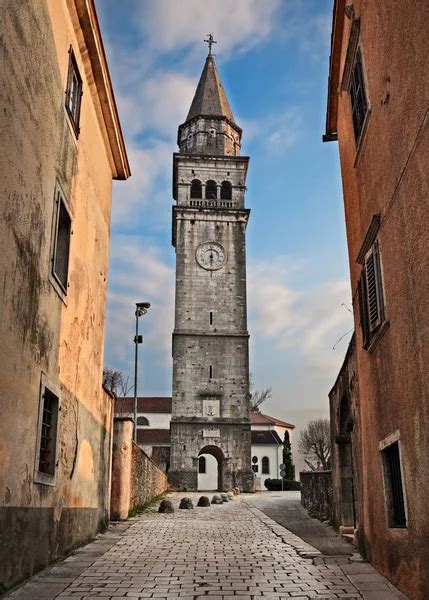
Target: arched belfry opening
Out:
[196,189]
[226,191]
[210,469]
[211,190]
[345,455]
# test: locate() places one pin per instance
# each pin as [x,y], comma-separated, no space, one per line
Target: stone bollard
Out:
[224,497]
[204,501]
[217,499]
[186,503]
[166,506]
[230,495]
[236,491]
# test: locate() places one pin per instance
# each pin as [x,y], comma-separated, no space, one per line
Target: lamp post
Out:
[141,309]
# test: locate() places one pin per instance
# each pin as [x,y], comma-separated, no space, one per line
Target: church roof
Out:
[210,98]
[261,419]
[266,438]
[157,404]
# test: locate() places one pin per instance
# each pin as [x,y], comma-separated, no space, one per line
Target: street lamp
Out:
[141,309]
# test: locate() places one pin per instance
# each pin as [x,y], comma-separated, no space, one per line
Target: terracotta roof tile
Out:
[261,419]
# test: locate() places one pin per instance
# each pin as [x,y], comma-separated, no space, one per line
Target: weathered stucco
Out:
[43,331]
[387,175]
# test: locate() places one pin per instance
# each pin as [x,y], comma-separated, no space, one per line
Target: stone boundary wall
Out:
[147,479]
[316,493]
[136,479]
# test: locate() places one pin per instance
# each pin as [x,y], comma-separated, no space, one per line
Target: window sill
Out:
[377,337]
[45,479]
[360,142]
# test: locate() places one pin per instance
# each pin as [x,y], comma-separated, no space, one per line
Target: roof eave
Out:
[334,71]
[89,25]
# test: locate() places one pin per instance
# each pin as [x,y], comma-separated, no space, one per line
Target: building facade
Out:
[153,435]
[210,413]
[378,110]
[62,146]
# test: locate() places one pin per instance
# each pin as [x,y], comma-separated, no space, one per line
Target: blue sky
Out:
[273,59]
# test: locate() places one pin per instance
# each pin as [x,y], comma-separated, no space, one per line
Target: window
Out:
[60,259]
[210,372]
[393,486]
[211,190]
[255,468]
[196,189]
[142,421]
[202,465]
[46,458]
[358,98]
[226,191]
[265,465]
[211,317]
[73,93]
[371,298]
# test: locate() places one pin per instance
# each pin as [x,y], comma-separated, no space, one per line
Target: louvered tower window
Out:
[371,298]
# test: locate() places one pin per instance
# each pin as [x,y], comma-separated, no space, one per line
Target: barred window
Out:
[371,297]
[46,458]
[393,486]
[358,96]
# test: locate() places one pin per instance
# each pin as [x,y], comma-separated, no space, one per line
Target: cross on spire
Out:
[210,41]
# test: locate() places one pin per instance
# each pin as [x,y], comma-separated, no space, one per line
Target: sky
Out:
[273,57]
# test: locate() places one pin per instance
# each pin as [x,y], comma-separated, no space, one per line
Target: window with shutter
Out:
[371,298]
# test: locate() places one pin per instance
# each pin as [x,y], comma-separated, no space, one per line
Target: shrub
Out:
[275,485]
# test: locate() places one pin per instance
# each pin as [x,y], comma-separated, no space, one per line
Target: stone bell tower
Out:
[210,338]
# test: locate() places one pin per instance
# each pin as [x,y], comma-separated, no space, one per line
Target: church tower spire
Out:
[210,127]
[210,425]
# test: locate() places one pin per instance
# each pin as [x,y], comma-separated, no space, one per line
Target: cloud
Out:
[139,273]
[170,25]
[305,322]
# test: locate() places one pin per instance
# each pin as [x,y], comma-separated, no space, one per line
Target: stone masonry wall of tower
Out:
[210,338]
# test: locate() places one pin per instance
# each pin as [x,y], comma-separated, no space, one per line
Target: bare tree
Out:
[116,382]
[257,397]
[315,444]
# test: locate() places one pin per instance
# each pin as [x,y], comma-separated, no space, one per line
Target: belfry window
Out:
[211,190]
[196,189]
[226,191]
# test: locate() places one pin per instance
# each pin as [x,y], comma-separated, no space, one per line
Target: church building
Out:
[210,411]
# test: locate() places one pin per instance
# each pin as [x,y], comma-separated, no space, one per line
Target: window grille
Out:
[73,92]
[211,190]
[48,433]
[358,97]
[394,489]
[265,465]
[202,464]
[62,243]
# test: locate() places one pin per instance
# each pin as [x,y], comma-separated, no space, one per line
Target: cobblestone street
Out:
[216,553]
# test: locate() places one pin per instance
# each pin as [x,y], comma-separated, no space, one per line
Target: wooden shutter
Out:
[363,309]
[373,288]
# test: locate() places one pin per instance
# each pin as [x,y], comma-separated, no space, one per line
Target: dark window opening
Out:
[142,421]
[265,465]
[202,465]
[211,190]
[358,98]
[60,264]
[394,489]
[211,318]
[255,468]
[196,189]
[210,372]
[48,433]
[226,191]
[371,298]
[73,92]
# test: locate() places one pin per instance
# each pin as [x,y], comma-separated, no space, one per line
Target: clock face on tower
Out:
[210,256]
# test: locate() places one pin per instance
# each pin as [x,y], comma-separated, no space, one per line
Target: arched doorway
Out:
[210,467]
[345,455]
